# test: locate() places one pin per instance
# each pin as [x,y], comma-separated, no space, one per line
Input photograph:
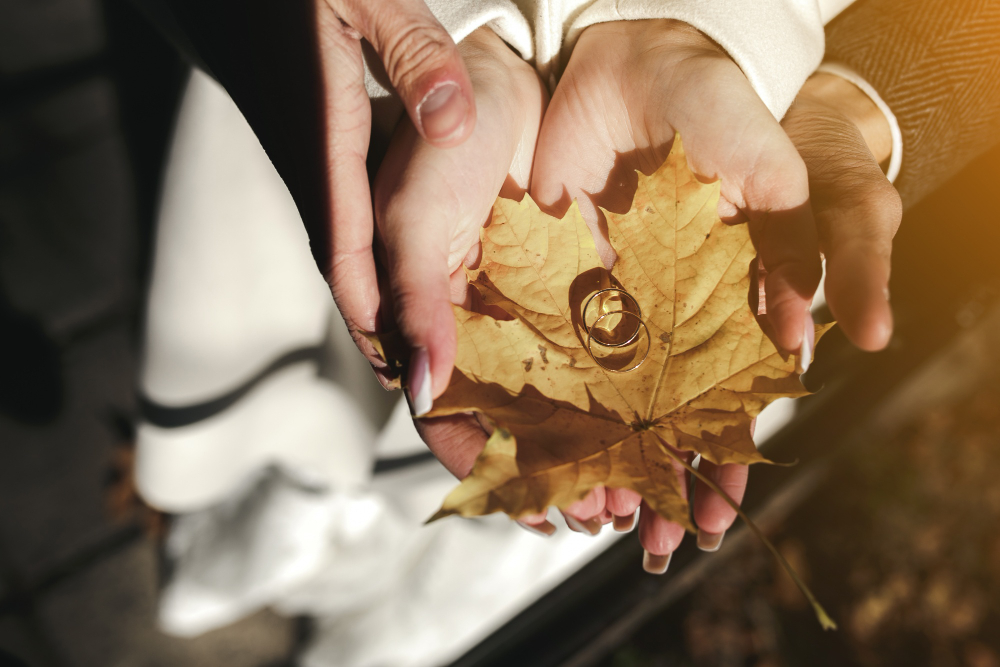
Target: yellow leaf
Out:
[567,423]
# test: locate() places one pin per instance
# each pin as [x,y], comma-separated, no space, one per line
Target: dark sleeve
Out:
[264,53]
[936,63]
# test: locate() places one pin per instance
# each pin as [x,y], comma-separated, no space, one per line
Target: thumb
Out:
[857,222]
[422,62]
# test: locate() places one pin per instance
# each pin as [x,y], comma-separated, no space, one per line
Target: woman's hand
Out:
[429,74]
[628,88]
[430,204]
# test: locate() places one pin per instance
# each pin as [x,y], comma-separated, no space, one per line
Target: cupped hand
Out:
[430,77]
[627,89]
[430,204]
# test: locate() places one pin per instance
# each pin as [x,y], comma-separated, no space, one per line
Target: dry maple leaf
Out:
[568,424]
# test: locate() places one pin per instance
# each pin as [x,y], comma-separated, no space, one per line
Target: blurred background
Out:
[891,513]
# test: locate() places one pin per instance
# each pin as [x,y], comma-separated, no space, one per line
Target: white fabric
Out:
[896,156]
[210,323]
[364,566]
[234,286]
[777,43]
[279,507]
[294,419]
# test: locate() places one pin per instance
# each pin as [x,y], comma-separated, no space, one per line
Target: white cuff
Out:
[777,43]
[896,157]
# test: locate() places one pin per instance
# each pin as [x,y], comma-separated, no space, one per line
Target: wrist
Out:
[842,96]
[666,38]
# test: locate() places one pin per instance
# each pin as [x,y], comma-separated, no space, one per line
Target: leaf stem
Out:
[824,619]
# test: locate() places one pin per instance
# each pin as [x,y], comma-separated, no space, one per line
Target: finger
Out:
[456,441]
[784,231]
[351,274]
[542,527]
[659,538]
[431,203]
[857,223]
[763,176]
[421,286]
[584,516]
[623,504]
[538,524]
[422,63]
[712,515]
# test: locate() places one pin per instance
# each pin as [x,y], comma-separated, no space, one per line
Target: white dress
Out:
[272,473]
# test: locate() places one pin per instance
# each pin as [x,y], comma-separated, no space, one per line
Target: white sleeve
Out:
[777,43]
[896,154]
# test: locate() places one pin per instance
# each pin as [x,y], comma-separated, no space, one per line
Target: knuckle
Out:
[871,216]
[342,283]
[413,50]
[890,205]
[407,299]
[778,180]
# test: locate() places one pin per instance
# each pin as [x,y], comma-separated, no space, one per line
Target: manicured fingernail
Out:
[545,528]
[382,375]
[420,382]
[806,350]
[710,541]
[655,564]
[443,111]
[588,527]
[624,524]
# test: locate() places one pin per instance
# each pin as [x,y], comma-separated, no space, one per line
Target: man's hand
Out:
[843,136]
[628,88]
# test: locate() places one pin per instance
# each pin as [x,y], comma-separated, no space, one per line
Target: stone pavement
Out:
[86,99]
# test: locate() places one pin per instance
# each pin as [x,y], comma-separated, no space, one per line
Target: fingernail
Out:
[885,293]
[624,524]
[443,111]
[382,375]
[588,527]
[420,382]
[808,341]
[545,528]
[710,541]
[655,564]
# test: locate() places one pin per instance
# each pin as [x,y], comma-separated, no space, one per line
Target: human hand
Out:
[627,89]
[843,136]
[428,73]
[430,204]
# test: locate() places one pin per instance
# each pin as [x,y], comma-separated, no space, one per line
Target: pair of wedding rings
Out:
[617,336]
